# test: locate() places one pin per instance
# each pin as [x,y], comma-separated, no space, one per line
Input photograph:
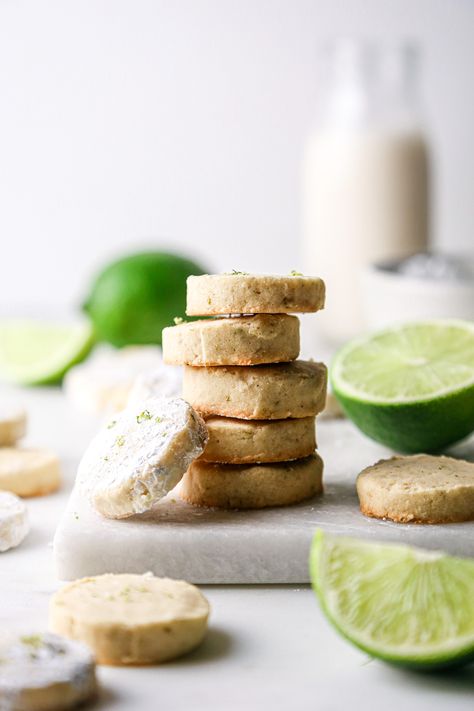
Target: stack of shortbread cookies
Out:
[242,376]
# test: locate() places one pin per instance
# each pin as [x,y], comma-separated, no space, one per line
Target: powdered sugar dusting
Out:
[140,455]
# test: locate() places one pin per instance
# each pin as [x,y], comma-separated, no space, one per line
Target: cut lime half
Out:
[404,605]
[410,387]
[37,352]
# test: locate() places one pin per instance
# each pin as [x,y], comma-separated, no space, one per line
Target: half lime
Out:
[410,387]
[404,605]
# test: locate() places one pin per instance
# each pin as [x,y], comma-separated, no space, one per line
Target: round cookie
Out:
[248,340]
[418,489]
[140,455]
[239,293]
[29,472]
[102,383]
[252,486]
[260,392]
[241,441]
[12,424]
[165,381]
[332,410]
[14,524]
[131,619]
[45,672]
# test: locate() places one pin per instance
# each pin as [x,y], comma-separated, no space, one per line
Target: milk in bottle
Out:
[365,177]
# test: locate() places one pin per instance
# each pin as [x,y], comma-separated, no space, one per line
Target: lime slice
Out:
[411,387]
[35,352]
[405,605]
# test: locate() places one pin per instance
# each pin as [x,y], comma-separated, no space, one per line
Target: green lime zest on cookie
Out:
[145,415]
[33,640]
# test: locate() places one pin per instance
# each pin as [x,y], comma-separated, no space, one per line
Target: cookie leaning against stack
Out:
[259,402]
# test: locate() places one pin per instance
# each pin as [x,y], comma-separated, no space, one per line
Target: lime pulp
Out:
[410,387]
[39,352]
[404,605]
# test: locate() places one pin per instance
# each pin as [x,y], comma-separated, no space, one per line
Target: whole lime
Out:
[134,298]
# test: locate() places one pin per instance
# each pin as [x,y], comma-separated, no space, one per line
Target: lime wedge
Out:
[36,352]
[404,605]
[411,387]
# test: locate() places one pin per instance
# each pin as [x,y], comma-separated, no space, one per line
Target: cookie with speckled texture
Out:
[103,382]
[245,340]
[260,392]
[44,672]
[12,424]
[131,619]
[239,293]
[252,486]
[418,489]
[14,524]
[140,455]
[29,471]
[241,441]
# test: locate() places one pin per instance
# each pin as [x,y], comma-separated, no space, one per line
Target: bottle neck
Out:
[370,87]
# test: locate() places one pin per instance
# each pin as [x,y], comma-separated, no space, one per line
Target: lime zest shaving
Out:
[145,415]
[33,640]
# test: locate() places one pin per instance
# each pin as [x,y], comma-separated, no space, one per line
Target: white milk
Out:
[365,175]
[365,199]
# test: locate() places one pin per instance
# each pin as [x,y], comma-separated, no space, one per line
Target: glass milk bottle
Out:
[365,176]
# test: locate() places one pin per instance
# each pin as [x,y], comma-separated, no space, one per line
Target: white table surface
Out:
[268,646]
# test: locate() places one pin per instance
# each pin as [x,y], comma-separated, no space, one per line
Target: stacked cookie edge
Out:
[259,402]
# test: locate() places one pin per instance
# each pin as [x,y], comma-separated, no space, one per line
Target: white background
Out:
[136,123]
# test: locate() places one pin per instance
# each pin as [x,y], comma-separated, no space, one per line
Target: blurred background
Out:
[182,125]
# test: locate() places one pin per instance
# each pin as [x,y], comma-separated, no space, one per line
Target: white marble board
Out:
[230,547]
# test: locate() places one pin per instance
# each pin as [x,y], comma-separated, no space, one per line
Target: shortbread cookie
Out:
[140,455]
[165,381]
[44,672]
[29,472]
[248,340]
[12,424]
[102,384]
[261,392]
[131,619]
[241,441]
[213,294]
[252,486]
[418,489]
[14,524]
[332,410]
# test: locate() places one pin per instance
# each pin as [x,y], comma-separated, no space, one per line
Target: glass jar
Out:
[366,175]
